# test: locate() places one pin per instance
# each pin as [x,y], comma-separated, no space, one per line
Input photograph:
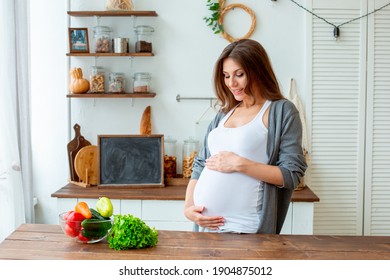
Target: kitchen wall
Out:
[185,51]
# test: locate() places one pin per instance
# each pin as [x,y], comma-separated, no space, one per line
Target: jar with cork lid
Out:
[116,82]
[102,39]
[141,82]
[170,166]
[144,39]
[190,151]
[96,79]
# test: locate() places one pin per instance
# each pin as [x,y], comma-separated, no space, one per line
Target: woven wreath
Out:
[225,9]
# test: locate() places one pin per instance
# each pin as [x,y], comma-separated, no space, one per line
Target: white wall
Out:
[185,51]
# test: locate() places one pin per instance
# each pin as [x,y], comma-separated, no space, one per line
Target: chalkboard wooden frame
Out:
[131,160]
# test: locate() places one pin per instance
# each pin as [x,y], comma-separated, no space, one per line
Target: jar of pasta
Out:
[170,157]
[102,39]
[116,82]
[190,151]
[96,79]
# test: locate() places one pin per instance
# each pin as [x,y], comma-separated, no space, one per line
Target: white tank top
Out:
[235,196]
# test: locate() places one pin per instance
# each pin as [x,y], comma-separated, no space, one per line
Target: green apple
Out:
[104,207]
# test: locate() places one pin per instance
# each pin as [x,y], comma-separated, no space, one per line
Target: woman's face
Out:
[235,78]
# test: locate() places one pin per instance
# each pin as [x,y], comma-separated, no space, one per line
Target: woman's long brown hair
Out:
[256,64]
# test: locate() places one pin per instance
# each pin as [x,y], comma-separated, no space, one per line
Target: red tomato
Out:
[66,216]
[76,217]
[74,220]
[71,231]
[82,238]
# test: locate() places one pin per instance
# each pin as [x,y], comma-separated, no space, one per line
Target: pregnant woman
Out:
[252,158]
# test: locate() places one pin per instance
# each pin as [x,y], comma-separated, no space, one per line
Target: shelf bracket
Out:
[97,20]
[131,58]
[133,20]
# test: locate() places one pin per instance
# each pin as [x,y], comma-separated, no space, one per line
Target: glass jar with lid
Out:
[116,82]
[170,157]
[96,79]
[144,39]
[102,39]
[190,151]
[141,82]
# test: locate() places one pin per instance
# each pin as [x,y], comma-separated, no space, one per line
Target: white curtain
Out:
[16,195]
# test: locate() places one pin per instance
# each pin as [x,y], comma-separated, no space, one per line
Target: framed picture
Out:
[78,40]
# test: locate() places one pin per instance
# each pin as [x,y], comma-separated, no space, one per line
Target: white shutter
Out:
[377,186]
[337,120]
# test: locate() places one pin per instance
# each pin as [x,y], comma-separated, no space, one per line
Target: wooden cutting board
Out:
[77,143]
[86,164]
[72,145]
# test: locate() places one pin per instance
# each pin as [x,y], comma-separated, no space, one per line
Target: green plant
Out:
[213,19]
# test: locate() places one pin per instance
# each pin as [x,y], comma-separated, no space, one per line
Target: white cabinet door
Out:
[377,175]
[132,207]
[165,214]
[350,132]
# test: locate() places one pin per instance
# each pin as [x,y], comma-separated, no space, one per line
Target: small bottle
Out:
[170,158]
[144,39]
[96,79]
[141,82]
[102,39]
[190,151]
[116,82]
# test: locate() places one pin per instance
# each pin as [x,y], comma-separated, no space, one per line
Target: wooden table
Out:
[47,242]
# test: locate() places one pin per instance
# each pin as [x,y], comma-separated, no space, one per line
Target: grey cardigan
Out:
[284,150]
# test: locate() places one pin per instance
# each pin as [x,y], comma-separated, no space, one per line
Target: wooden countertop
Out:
[174,190]
[48,242]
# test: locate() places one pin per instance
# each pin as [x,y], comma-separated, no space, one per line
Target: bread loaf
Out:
[146,123]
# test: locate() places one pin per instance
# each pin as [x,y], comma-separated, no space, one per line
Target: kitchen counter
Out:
[162,207]
[174,190]
[48,242]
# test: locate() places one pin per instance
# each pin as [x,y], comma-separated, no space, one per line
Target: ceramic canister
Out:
[120,45]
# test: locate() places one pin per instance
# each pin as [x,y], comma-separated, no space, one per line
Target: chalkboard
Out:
[131,160]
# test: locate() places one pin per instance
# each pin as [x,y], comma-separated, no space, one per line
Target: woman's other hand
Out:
[194,213]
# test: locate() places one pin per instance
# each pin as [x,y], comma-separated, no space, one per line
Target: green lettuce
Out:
[130,232]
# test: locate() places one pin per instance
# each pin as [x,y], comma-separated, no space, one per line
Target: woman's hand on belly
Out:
[226,162]
[194,213]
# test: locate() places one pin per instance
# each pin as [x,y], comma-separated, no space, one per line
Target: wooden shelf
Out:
[111,54]
[112,95]
[112,13]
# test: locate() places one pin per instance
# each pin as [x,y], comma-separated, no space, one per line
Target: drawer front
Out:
[132,207]
[163,210]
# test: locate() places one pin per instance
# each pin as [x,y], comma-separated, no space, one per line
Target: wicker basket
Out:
[119,5]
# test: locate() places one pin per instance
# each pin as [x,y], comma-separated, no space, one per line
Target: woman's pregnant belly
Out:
[227,194]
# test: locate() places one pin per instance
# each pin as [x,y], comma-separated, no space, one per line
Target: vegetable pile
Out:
[131,232]
[88,224]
